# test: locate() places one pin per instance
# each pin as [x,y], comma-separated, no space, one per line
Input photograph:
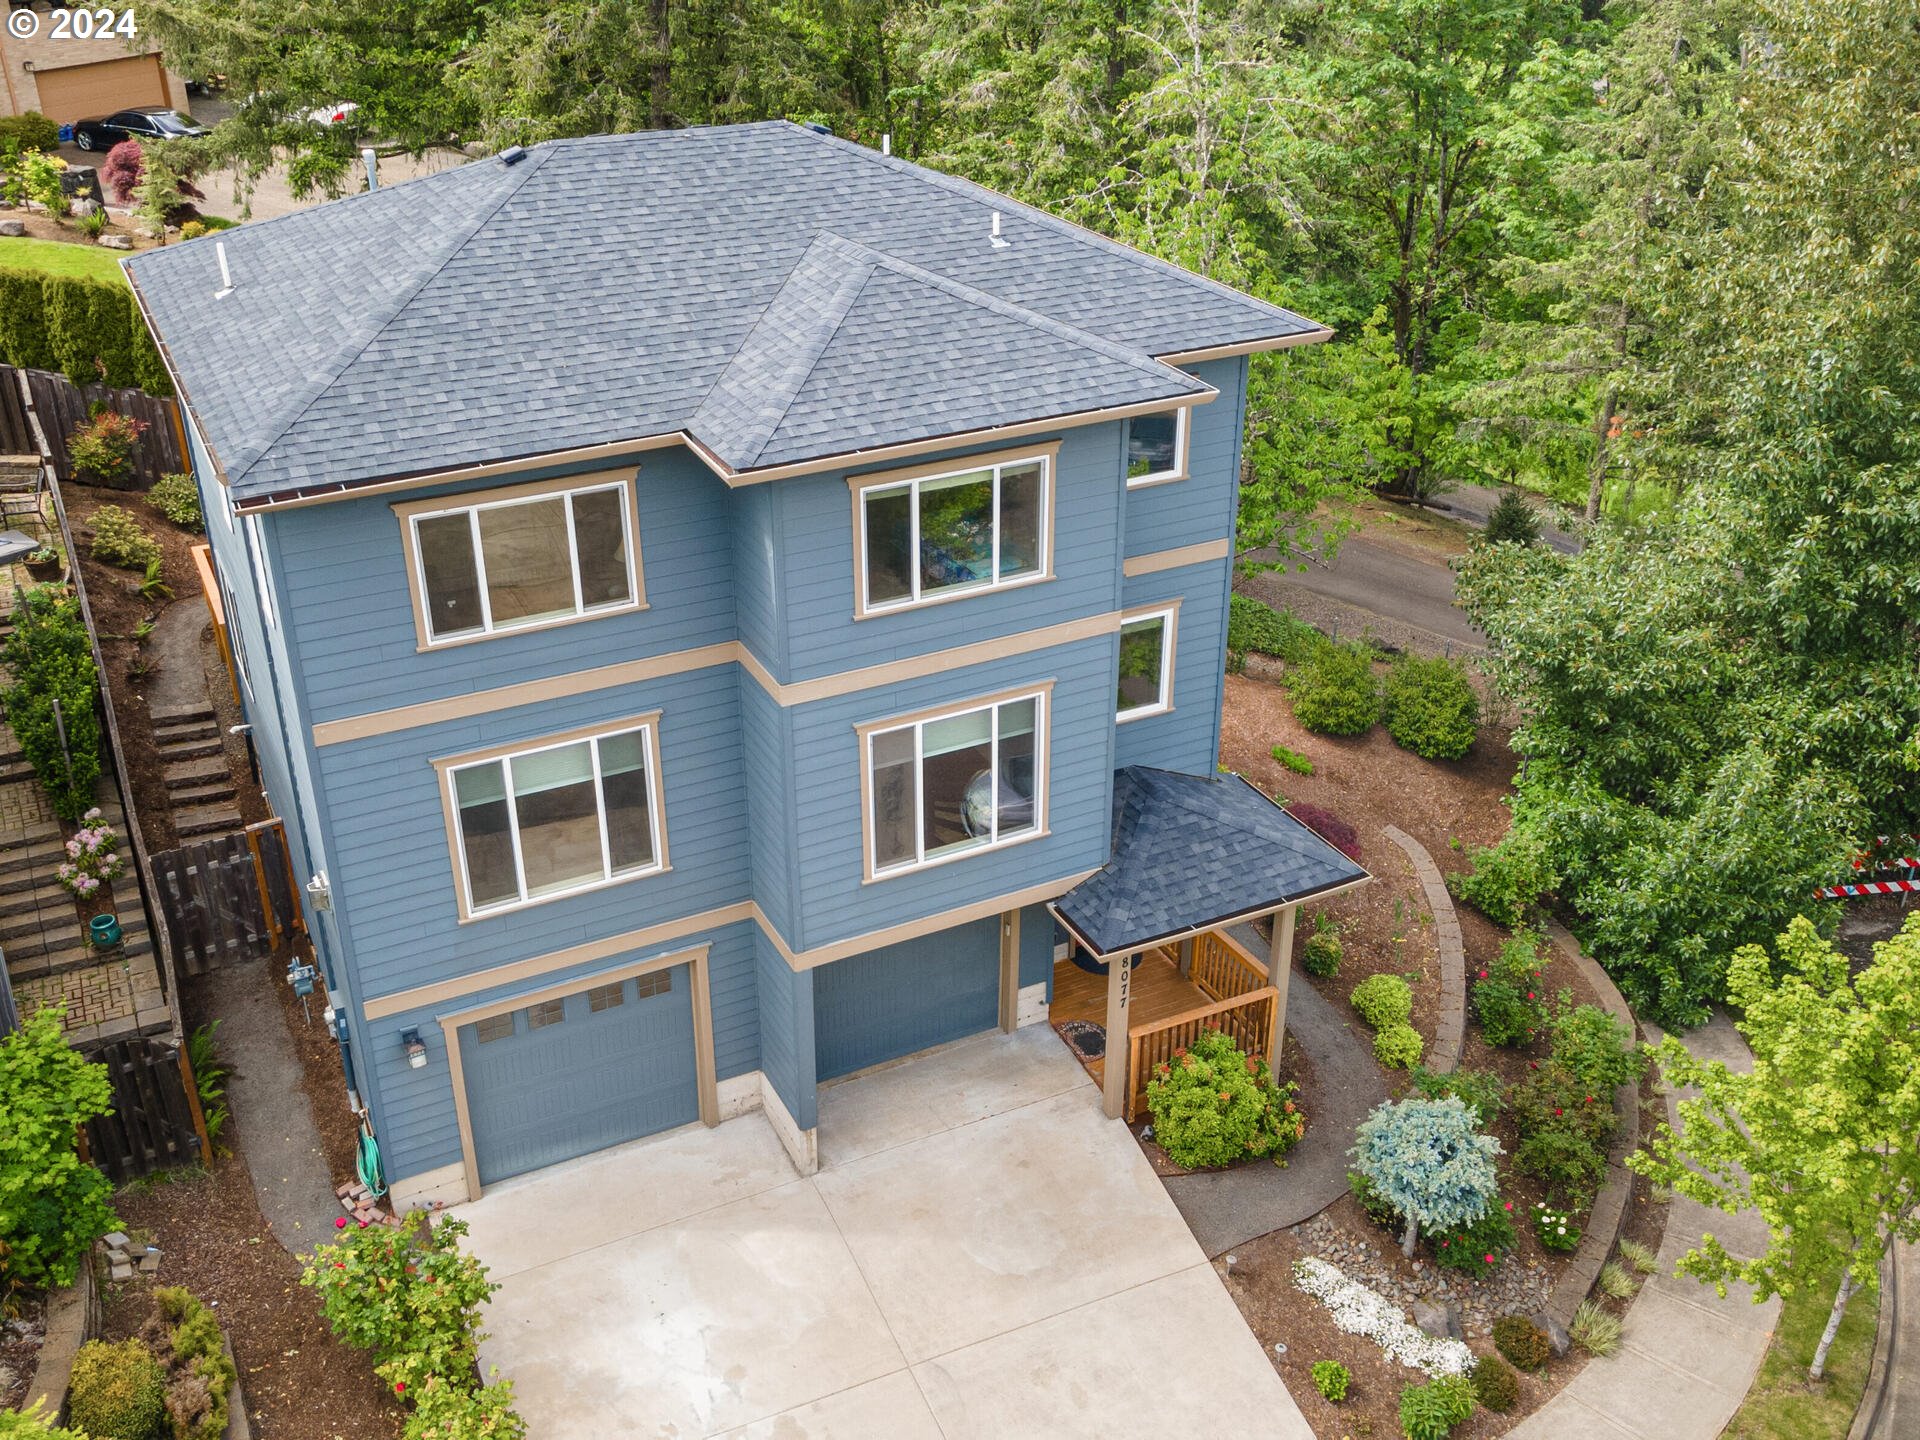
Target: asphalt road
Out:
[1385,582]
[1472,504]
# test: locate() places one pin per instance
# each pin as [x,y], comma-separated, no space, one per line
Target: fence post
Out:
[192,1087]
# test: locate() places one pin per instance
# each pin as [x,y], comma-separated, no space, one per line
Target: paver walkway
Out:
[1231,1207]
[1686,1356]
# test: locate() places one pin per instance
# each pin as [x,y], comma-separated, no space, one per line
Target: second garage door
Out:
[77,92]
[563,1077]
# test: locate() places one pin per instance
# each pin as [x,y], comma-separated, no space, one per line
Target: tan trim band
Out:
[426,997]
[705,1081]
[1250,347]
[679,662]
[1206,552]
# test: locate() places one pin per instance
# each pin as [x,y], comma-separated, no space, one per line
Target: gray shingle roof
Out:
[781,295]
[1190,851]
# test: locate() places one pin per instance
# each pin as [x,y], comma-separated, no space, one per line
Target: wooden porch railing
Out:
[1245,1008]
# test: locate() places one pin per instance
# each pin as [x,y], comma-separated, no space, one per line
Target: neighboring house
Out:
[693,592]
[68,76]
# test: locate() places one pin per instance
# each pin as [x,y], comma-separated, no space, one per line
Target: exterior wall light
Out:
[416,1048]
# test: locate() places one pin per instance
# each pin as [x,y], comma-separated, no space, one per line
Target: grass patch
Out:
[1783,1404]
[57,258]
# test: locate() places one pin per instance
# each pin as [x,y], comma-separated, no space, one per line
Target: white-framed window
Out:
[945,784]
[540,821]
[955,531]
[1145,683]
[535,555]
[1157,446]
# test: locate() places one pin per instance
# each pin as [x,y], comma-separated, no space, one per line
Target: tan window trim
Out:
[1182,453]
[706,1080]
[407,511]
[1041,690]
[1170,609]
[1049,456]
[656,796]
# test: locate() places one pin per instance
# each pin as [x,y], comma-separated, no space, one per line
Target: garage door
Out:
[79,92]
[564,1077]
[906,997]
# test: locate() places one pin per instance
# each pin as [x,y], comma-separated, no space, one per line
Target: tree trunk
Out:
[1818,1369]
[1602,431]
[1408,1240]
[660,72]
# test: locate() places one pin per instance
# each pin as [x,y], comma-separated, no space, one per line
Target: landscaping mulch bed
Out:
[21,1334]
[42,226]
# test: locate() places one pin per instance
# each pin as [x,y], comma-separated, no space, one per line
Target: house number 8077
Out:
[91,24]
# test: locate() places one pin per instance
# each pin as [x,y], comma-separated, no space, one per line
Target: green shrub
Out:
[118,1392]
[209,1079]
[1321,953]
[1293,760]
[1430,707]
[1427,1159]
[1383,1000]
[1495,1385]
[1213,1105]
[1568,1164]
[88,329]
[1554,1228]
[1593,1047]
[1399,1047]
[1373,1204]
[1551,1100]
[1508,879]
[193,229]
[1430,1411]
[1506,995]
[93,224]
[119,539]
[33,1423]
[1523,1343]
[202,1375]
[178,498]
[1640,1257]
[1481,1091]
[1512,521]
[1334,691]
[445,1411]
[53,1205]
[1594,1329]
[1616,1282]
[1331,1378]
[1478,1248]
[51,658]
[29,130]
[1255,626]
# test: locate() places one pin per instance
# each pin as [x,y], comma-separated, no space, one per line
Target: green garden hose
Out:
[369,1165]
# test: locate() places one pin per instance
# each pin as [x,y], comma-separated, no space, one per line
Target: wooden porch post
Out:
[1010,971]
[1186,958]
[1279,973]
[1116,1078]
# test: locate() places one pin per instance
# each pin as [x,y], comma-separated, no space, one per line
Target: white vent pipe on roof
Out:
[886,143]
[372,161]
[226,275]
[994,238]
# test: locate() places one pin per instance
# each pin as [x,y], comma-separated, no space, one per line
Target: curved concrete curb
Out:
[1609,1212]
[1444,1054]
[1889,1400]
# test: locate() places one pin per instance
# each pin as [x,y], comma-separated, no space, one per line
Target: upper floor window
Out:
[546,820]
[1146,665]
[521,558]
[943,784]
[1157,446]
[939,533]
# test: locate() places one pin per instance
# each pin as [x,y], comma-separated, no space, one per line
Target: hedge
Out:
[51,658]
[68,323]
[30,130]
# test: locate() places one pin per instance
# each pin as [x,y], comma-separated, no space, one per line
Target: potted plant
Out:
[46,563]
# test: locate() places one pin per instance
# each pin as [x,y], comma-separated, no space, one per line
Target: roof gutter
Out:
[173,373]
[1249,347]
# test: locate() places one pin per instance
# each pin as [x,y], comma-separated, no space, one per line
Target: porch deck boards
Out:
[1159,993]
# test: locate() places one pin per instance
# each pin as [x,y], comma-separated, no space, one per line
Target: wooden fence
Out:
[62,406]
[1245,1007]
[230,898]
[156,1121]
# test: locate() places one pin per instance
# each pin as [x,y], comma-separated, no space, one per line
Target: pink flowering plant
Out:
[1478,1248]
[93,857]
[1506,993]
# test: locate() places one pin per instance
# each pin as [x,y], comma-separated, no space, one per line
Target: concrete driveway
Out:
[981,1254]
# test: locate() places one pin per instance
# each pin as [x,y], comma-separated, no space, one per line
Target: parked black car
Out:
[148,122]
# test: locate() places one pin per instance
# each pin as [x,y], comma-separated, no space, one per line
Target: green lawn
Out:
[1783,1404]
[26,253]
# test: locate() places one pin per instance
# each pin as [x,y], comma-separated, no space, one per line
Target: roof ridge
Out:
[353,348]
[974,190]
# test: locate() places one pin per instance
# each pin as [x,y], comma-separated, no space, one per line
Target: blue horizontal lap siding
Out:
[418,1128]
[391,854]
[907,997]
[836,905]
[763,741]
[1188,737]
[816,536]
[345,573]
[786,1031]
[1201,507]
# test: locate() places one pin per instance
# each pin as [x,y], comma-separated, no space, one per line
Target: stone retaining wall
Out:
[1443,1054]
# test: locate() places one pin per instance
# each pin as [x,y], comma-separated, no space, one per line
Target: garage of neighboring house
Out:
[559,1075]
[77,92]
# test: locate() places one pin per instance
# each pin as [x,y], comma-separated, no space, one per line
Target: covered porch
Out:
[1192,856]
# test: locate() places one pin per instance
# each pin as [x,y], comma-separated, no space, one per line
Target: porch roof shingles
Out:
[780,295]
[1190,851]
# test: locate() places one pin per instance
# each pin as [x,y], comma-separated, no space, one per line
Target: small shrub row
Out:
[178,498]
[1563,1110]
[1293,760]
[1213,1105]
[89,330]
[1256,627]
[1334,691]
[51,703]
